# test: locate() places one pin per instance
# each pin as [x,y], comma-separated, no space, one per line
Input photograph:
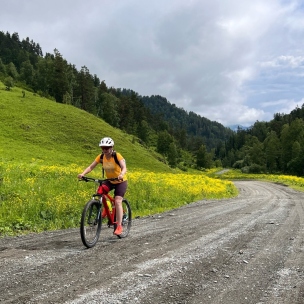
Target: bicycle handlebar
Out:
[100,181]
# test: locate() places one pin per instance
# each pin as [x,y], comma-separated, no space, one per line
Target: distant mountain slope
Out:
[237,127]
[212,132]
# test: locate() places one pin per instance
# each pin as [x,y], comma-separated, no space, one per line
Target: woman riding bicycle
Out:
[115,167]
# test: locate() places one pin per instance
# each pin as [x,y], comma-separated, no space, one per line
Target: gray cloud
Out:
[217,58]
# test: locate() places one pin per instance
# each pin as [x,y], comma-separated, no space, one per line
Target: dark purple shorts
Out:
[119,189]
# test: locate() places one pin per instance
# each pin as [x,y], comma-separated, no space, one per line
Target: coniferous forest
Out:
[184,139]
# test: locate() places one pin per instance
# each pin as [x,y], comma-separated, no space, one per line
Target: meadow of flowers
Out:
[35,197]
[293,181]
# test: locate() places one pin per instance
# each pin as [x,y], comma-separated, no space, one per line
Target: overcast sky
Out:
[231,61]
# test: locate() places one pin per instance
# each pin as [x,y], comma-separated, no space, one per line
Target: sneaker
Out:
[118,230]
[104,213]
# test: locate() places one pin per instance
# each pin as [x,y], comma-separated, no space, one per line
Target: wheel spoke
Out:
[90,223]
[127,218]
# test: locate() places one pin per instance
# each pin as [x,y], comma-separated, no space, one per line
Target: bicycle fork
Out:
[98,215]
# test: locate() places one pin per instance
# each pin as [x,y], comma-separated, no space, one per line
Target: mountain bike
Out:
[91,219]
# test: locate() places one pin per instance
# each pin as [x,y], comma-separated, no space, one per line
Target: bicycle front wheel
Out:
[90,225]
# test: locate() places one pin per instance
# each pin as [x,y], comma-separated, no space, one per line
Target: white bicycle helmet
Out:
[106,142]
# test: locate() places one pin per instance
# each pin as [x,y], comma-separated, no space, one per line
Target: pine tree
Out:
[60,82]
[172,155]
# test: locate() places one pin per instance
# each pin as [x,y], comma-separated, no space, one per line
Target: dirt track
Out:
[244,250]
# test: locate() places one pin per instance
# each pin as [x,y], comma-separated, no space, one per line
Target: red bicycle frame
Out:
[111,214]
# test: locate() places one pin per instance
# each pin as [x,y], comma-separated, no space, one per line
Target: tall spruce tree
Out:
[60,83]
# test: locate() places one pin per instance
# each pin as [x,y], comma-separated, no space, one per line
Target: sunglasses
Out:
[105,148]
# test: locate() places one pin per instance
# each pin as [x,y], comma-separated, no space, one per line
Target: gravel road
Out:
[249,249]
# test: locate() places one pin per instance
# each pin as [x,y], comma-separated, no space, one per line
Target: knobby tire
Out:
[90,225]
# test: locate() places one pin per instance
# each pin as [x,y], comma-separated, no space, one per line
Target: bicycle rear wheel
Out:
[90,225]
[126,219]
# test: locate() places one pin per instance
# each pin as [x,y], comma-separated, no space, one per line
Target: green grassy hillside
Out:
[35,129]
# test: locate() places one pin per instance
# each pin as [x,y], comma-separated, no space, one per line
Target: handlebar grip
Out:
[83,178]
